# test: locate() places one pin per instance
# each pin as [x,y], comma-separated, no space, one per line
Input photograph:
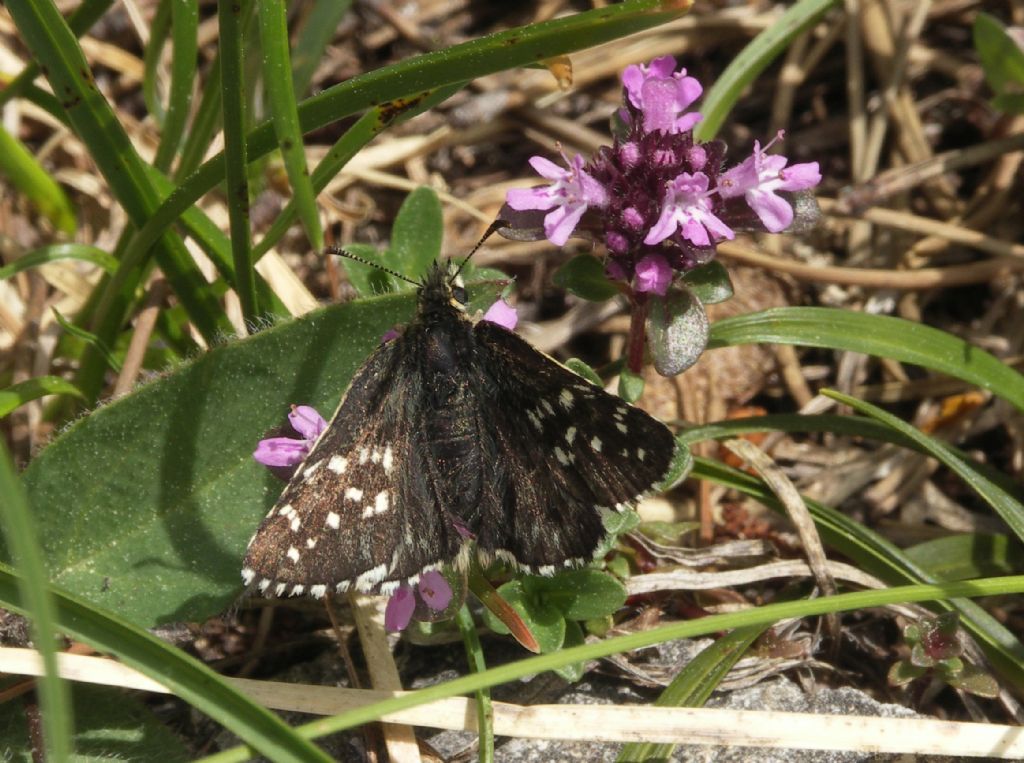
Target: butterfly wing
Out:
[564,452]
[356,514]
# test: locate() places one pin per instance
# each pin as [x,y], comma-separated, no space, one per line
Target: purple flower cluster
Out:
[659,200]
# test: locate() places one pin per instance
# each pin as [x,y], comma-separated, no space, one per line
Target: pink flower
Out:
[432,588]
[289,451]
[662,95]
[687,207]
[757,179]
[653,274]
[571,192]
[502,313]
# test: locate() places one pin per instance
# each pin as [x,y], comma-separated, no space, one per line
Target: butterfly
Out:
[453,436]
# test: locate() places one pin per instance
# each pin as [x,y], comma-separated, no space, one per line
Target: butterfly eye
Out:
[459,294]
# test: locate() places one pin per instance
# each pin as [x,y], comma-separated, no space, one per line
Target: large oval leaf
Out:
[145,506]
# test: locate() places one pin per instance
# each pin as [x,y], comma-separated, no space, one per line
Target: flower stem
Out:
[635,343]
[475,656]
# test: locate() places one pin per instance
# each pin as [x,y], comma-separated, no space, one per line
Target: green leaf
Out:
[367,280]
[880,335]
[710,283]
[416,236]
[677,330]
[903,672]
[543,619]
[631,386]
[679,469]
[110,725]
[968,555]
[573,637]
[27,176]
[315,32]
[1002,60]
[580,594]
[584,276]
[146,505]
[33,389]
[580,368]
[56,252]
[667,533]
[974,680]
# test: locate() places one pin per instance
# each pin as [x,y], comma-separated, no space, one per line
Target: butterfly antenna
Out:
[493,228]
[344,253]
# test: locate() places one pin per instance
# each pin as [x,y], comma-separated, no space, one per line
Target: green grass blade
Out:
[185,37]
[184,675]
[1011,511]
[277,79]
[850,426]
[32,389]
[693,685]
[314,34]
[880,335]
[403,84]
[80,20]
[354,138]
[754,59]
[765,615]
[20,535]
[56,252]
[158,35]
[29,177]
[477,664]
[49,39]
[232,81]
[881,558]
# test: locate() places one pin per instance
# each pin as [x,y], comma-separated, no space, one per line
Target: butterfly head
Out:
[442,289]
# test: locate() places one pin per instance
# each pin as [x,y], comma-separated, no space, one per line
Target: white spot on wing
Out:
[563,458]
[547,569]
[308,471]
[293,553]
[381,503]
[621,427]
[297,589]
[279,590]
[376,456]
[337,464]
[317,591]
[264,585]
[310,543]
[296,523]
[285,510]
[570,435]
[535,420]
[641,453]
[547,407]
[565,398]
[342,586]
[333,520]
[596,444]
[353,493]
[371,577]
[389,460]
[248,575]
[364,455]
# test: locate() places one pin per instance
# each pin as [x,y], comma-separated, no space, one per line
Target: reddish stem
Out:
[635,343]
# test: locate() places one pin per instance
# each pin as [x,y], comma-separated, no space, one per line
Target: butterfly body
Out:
[453,431]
